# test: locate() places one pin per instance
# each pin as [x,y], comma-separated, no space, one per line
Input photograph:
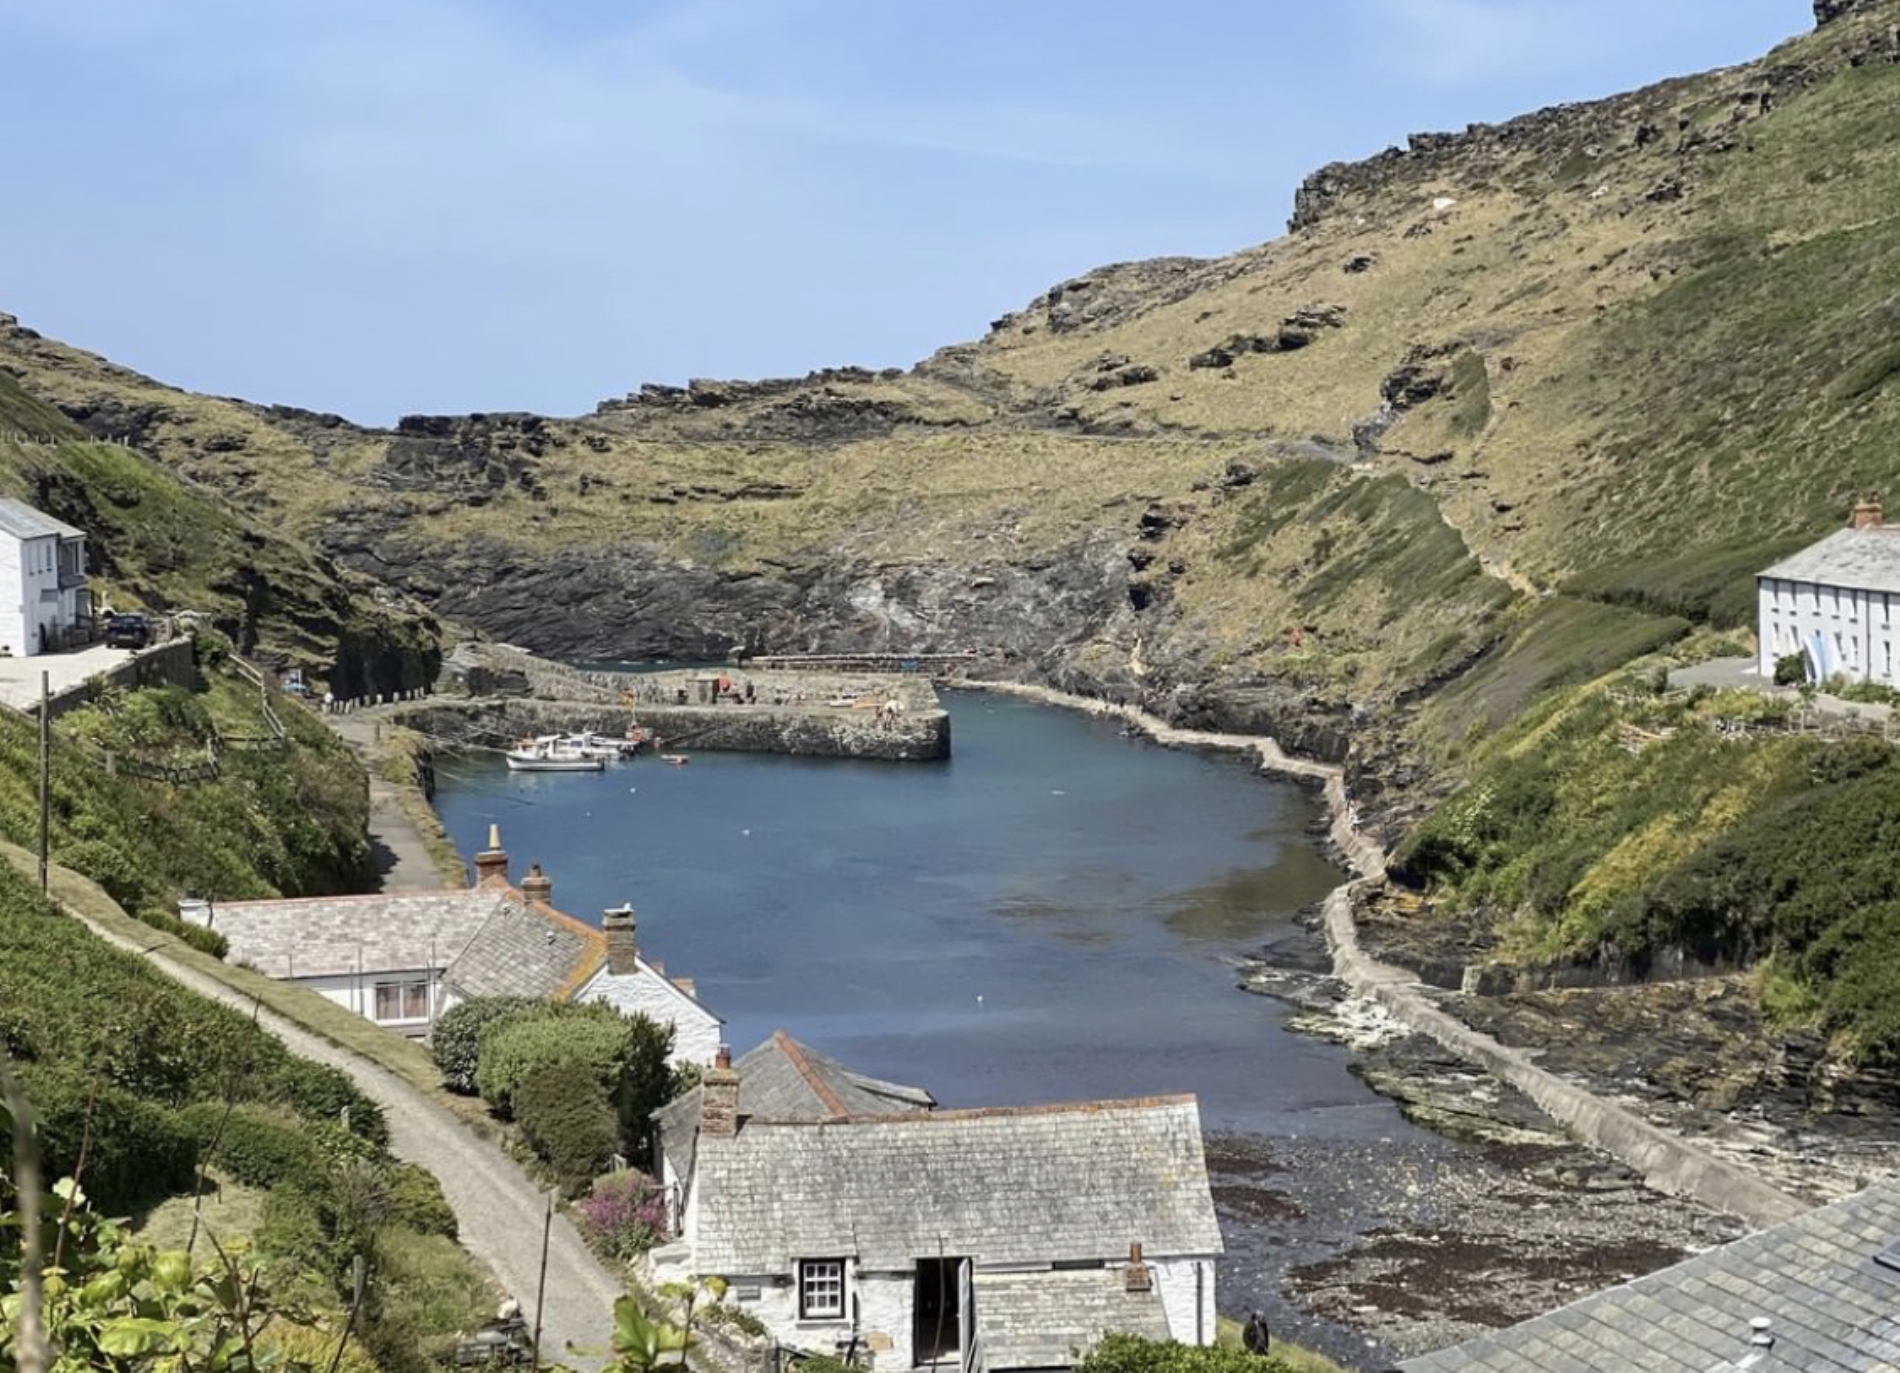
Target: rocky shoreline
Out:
[1506,1215]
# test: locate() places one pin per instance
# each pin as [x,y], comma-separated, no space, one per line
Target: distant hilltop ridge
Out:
[1597,128]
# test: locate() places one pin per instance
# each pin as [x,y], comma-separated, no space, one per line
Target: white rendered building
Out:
[1833,603]
[43,596]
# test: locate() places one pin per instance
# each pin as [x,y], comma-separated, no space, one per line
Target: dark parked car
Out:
[128,631]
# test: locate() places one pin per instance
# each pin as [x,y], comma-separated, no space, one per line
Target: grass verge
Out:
[404,1058]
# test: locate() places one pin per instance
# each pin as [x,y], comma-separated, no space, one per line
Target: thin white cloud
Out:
[1468,42]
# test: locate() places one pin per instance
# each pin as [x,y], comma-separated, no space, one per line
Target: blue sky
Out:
[391,206]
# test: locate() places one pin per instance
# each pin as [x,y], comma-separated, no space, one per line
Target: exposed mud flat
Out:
[1377,1250]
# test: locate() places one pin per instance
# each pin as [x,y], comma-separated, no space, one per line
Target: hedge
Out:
[519,1047]
[568,1122]
[457,1039]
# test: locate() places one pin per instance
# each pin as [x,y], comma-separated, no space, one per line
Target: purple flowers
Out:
[624,1214]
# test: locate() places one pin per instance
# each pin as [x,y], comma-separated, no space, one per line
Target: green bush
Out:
[1132,1354]
[319,1092]
[135,1151]
[522,1045]
[456,1041]
[416,1200]
[291,1230]
[568,1122]
[258,1147]
[1791,669]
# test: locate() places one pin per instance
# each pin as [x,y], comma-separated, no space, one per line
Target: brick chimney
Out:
[491,864]
[1868,513]
[623,948]
[537,885]
[1138,1276]
[719,1098]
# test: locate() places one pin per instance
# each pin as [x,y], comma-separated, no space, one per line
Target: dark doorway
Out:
[936,1311]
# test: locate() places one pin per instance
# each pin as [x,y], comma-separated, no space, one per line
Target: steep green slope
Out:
[165,543]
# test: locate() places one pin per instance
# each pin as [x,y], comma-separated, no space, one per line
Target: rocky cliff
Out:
[1503,405]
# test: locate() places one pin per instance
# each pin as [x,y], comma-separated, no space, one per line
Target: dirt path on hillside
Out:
[498,1211]
[402,859]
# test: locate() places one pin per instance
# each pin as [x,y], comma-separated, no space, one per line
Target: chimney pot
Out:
[719,1098]
[1868,512]
[623,941]
[491,864]
[537,885]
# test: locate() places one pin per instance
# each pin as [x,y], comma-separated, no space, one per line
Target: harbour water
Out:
[1052,914]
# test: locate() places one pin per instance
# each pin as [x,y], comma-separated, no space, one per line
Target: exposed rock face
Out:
[1827,11]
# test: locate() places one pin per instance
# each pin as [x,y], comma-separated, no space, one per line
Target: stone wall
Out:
[167,664]
[809,732]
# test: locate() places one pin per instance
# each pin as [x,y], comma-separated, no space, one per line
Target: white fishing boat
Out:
[603,746]
[550,753]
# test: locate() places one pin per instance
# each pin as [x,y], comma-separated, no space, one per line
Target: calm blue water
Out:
[1050,915]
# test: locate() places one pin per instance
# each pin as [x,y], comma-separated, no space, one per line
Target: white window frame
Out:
[821,1289]
[407,992]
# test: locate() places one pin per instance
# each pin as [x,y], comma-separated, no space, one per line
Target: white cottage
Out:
[847,1213]
[1833,602]
[403,958]
[43,595]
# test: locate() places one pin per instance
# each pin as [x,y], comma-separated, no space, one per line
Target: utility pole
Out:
[46,764]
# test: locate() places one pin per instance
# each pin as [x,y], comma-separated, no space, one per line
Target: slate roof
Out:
[783,1079]
[1865,559]
[1037,1320]
[1831,1308]
[491,941]
[1014,1185]
[322,936]
[23,521]
[527,948]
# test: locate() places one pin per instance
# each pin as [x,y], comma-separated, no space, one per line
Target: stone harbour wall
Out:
[915,736]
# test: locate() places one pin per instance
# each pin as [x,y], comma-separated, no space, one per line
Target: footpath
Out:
[402,858]
[498,1211]
[1667,1161]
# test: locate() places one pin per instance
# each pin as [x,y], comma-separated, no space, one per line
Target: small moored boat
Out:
[551,753]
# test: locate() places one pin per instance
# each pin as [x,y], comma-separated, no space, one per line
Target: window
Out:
[402,1000]
[821,1289]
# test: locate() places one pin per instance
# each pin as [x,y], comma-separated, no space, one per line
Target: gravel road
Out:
[500,1213]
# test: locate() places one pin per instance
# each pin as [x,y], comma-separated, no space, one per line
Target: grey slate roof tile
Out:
[335,935]
[527,948]
[1831,1309]
[1868,559]
[1096,1176]
[23,521]
[783,1079]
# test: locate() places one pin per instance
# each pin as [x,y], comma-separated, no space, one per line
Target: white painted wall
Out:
[358,994]
[1186,1288]
[696,1030]
[1845,632]
[29,592]
[883,1306]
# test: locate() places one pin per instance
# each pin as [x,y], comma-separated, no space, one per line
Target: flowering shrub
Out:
[624,1214]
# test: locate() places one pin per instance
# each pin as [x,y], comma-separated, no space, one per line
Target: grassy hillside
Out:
[1503,410]
[137,1085]
[289,823]
[161,542]
[1613,822]
[1628,351]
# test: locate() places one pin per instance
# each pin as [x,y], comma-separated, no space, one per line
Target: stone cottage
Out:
[848,1213]
[403,958]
